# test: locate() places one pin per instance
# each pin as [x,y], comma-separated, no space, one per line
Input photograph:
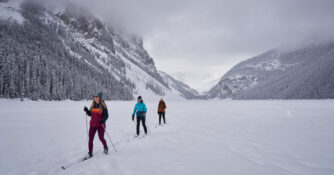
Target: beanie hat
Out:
[139,97]
[100,95]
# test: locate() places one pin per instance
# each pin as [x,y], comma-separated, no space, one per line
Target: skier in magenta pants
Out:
[99,114]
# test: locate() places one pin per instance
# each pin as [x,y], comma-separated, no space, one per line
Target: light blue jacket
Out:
[139,108]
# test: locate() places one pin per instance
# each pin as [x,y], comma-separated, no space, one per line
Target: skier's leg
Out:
[92,131]
[101,131]
[138,123]
[163,116]
[159,118]
[144,124]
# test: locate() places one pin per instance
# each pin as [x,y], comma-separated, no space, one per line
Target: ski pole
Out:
[147,124]
[148,127]
[109,138]
[87,129]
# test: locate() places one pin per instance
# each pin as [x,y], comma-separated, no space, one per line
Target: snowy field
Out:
[201,137]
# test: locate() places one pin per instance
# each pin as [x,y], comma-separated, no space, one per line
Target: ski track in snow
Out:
[201,137]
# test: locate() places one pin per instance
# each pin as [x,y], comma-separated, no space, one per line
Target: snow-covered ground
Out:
[202,137]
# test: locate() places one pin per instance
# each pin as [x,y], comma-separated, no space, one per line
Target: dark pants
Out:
[161,114]
[92,131]
[142,119]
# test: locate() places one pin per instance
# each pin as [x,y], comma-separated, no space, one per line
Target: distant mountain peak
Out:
[304,72]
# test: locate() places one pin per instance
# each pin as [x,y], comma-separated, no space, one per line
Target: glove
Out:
[133,117]
[102,121]
[85,109]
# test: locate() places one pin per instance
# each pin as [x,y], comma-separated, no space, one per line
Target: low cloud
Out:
[216,32]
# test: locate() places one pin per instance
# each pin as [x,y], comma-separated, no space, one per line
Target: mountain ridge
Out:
[68,53]
[281,74]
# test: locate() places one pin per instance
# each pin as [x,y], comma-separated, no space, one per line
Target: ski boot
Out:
[90,155]
[105,150]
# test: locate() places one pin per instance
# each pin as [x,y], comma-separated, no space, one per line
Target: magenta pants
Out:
[92,131]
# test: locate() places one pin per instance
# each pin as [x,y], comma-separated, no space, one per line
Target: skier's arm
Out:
[134,110]
[88,112]
[105,114]
[145,109]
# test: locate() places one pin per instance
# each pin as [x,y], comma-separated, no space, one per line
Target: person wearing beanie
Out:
[140,111]
[99,114]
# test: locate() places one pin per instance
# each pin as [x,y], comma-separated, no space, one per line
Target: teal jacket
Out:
[139,108]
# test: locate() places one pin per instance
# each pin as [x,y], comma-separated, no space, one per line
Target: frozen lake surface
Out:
[201,137]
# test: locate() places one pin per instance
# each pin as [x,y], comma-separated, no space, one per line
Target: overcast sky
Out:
[197,41]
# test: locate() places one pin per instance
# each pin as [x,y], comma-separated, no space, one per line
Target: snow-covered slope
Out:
[307,72]
[181,87]
[87,41]
[232,137]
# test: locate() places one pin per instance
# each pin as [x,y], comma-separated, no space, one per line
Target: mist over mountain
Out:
[181,88]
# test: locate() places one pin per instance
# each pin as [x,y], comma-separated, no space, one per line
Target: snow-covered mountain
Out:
[303,73]
[180,87]
[65,52]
